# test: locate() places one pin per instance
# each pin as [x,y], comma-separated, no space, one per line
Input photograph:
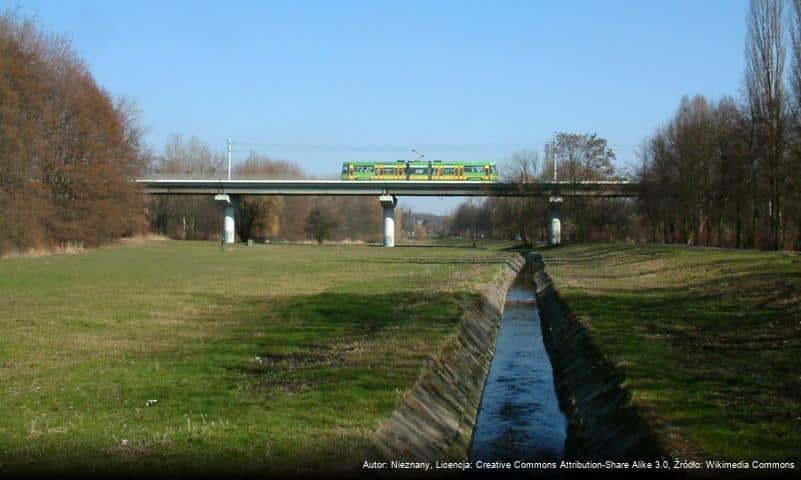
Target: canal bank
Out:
[602,424]
[523,401]
[519,418]
[436,419]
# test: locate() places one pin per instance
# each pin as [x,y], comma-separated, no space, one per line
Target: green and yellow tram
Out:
[420,171]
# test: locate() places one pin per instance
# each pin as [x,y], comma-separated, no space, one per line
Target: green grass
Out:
[710,340]
[260,358]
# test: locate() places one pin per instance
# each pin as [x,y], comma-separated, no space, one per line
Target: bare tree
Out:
[320,223]
[764,80]
[66,151]
[580,157]
[795,72]
[795,140]
[472,220]
[717,173]
[191,217]
[523,216]
[522,167]
[733,175]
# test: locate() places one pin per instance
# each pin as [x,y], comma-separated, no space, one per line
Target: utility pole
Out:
[229,158]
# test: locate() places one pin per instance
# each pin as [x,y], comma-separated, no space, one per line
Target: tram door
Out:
[459,171]
[487,172]
[350,171]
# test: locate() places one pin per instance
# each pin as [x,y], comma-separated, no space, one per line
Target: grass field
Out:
[259,358]
[710,340]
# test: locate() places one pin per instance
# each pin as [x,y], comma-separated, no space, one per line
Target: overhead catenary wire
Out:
[246,145]
[285,151]
[360,148]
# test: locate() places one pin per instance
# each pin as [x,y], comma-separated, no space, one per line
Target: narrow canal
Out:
[519,416]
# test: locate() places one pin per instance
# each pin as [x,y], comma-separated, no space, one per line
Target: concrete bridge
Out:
[228,191]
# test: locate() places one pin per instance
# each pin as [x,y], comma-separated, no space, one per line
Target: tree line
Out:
[569,157]
[68,152]
[293,218]
[721,172]
[726,172]
[67,149]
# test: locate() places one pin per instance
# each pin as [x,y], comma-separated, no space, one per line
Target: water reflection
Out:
[519,416]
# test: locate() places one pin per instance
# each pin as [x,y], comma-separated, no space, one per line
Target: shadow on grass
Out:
[441,260]
[338,345]
[435,245]
[717,370]
[521,247]
[315,374]
[746,285]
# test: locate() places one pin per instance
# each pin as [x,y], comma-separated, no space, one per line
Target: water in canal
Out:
[519,416]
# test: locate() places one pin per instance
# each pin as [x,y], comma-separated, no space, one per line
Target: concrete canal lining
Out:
[519,417]
[437,417]
[602,422]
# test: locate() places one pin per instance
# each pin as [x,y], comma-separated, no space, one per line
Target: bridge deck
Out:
[397,188]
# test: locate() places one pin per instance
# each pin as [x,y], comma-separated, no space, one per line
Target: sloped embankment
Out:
[602,423]
[437,417]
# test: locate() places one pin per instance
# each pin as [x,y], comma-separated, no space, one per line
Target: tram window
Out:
[344,169]
[365,168]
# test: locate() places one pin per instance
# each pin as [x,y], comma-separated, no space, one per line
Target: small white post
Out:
[556,232]
[229,158]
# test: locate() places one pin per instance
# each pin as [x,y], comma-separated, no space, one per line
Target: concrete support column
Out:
[229,230]
[388,202]
[229,224]
[554,221]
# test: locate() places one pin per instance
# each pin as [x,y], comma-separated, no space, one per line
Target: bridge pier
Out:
[229,230]
[389,202]
[554,221]
[229,223]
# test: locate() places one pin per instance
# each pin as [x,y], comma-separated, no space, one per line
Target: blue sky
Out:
[318,83]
